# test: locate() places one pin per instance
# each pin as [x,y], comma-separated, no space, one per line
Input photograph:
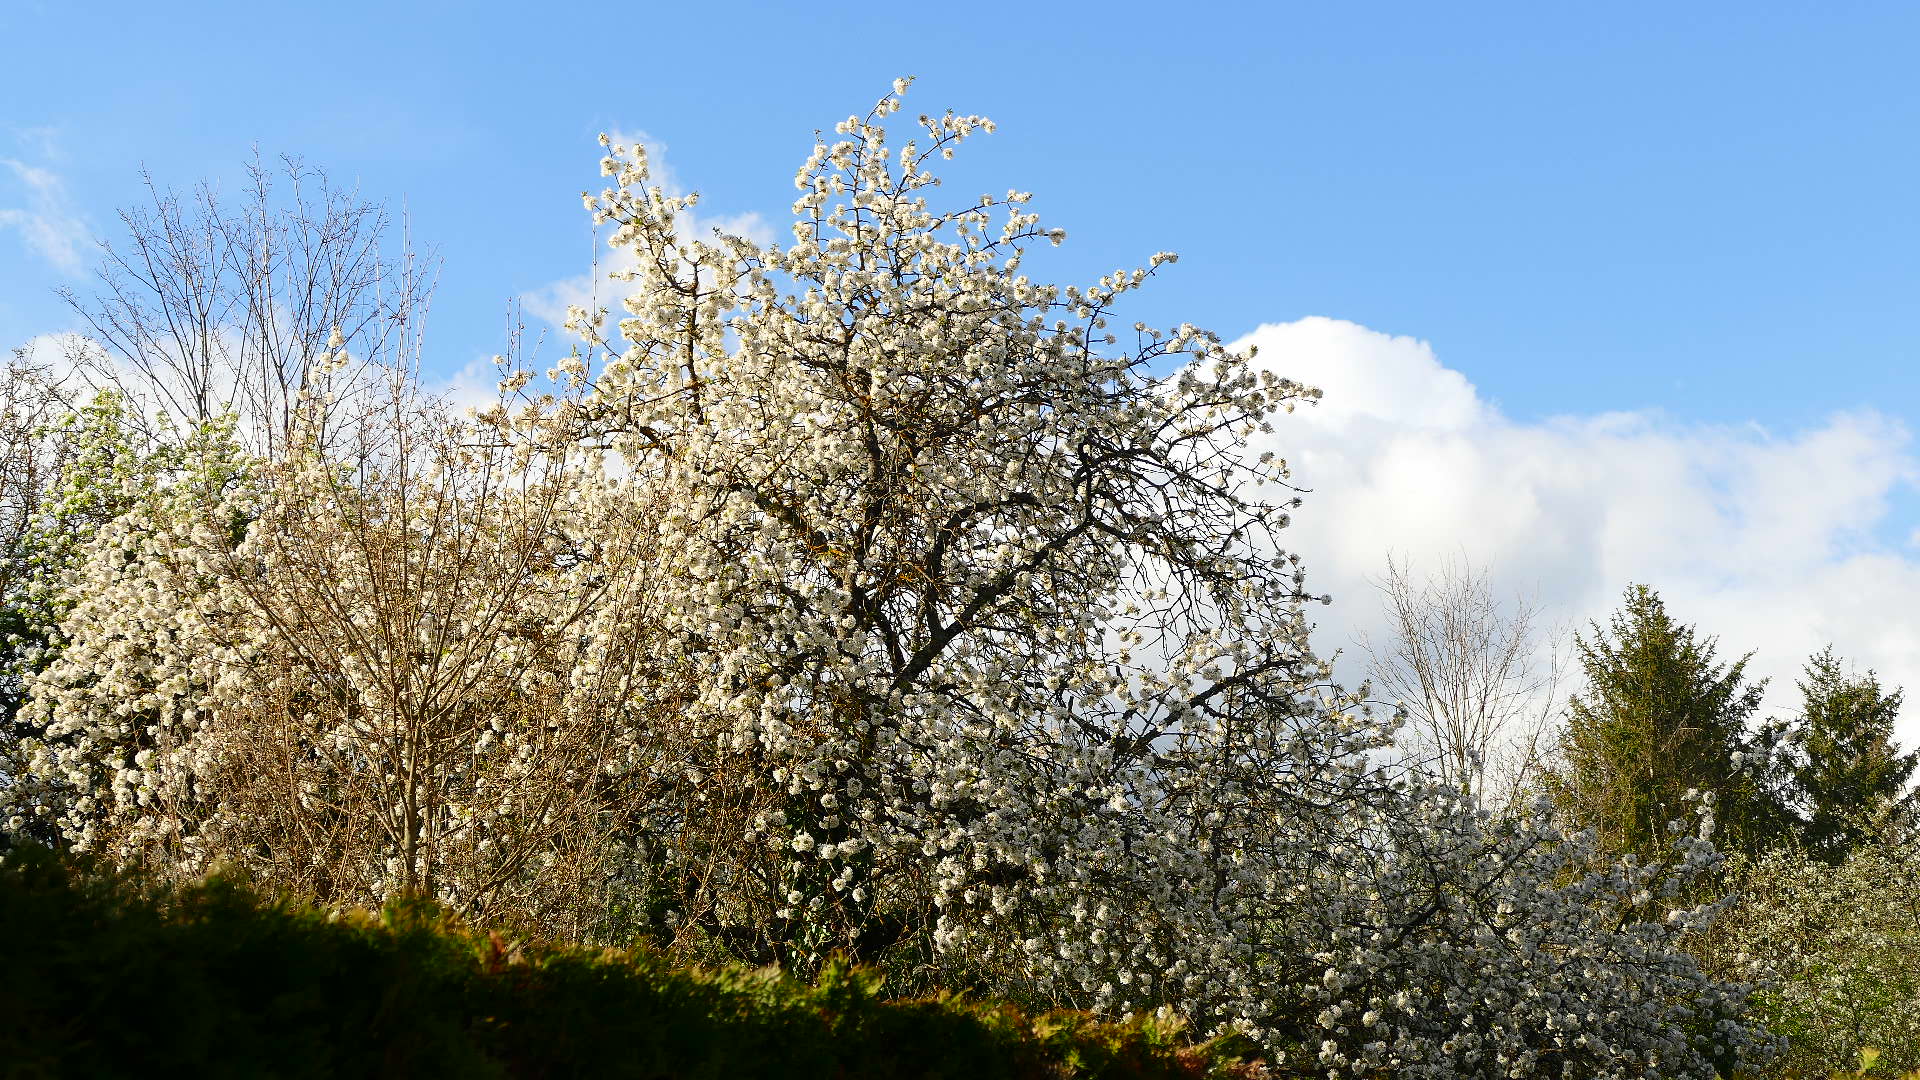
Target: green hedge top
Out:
[107,975]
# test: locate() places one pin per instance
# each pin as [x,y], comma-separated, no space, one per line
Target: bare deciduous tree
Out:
[220,304]
[1468,669]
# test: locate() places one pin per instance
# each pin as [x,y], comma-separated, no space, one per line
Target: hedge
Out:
[105,974]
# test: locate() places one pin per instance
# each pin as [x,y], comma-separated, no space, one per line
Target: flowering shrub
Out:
[70,468]
[422,668]
[1840,946]
[1868,1059]
[32,457]
[863,597]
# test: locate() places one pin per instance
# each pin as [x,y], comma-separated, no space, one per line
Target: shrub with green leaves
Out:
[1839,948]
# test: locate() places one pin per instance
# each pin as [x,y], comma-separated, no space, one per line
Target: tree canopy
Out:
[1848,776]
[1659,718]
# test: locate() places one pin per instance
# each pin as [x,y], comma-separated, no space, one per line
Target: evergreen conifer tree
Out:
[1846,770]
[1659,717]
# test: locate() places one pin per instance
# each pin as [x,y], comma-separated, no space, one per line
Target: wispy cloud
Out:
[45,217]
[1772,541]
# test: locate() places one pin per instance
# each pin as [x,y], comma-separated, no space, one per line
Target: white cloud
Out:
[1769,541]
[67,356]
[48,222]
[475,386]
[593,289]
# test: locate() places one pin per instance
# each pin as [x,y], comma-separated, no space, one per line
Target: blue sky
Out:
[1701,215]
[1708,208]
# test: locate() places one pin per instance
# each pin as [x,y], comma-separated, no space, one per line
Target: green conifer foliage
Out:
[1660,717]
[1847,773]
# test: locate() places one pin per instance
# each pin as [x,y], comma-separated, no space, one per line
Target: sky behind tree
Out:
[1673,244]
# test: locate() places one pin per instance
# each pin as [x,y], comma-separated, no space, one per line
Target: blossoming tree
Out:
[856,595]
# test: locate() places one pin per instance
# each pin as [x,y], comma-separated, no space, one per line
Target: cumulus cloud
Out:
[45,218]
[594,289]
[1770,541]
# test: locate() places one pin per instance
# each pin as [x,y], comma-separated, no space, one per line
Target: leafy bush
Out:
[1869,1058]
[1838,948]
[112,975]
